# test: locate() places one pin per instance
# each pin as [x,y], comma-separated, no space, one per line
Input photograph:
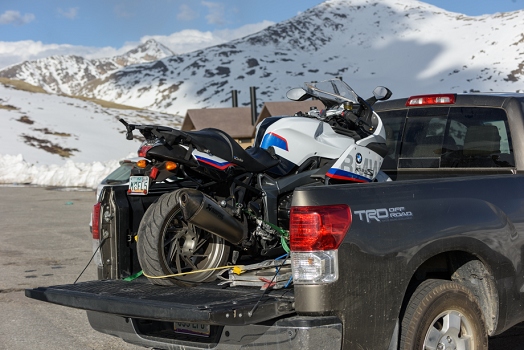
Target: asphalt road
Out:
[45,241]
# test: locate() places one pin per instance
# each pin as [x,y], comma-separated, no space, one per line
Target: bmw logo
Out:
[359,158]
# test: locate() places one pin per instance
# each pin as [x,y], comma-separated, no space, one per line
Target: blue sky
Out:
[31,29]
[114,22]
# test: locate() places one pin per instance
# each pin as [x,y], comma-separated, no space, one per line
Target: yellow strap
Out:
[236,269]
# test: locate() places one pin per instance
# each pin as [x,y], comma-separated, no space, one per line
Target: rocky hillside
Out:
[69,74]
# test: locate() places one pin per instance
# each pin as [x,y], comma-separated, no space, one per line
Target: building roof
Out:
[236,121]
[271,109]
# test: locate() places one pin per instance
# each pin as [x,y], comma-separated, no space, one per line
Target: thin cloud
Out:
[122,11]
[180,42]
[16,18]
[191,40]
[186,13]
[216,13]
[70,13]
[28,50]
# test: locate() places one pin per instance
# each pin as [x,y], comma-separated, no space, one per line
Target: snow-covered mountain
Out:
[69,74]
[408,45]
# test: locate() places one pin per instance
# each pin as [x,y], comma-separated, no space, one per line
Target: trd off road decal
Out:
[357,164]
[383,214]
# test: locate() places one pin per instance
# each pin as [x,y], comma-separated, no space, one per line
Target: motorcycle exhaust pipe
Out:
[205,213]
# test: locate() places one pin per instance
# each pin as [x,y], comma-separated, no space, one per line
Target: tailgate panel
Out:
[206,303]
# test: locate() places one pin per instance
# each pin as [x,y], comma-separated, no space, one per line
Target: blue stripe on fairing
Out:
[274,140]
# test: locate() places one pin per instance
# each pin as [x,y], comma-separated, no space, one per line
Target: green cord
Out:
[133,277]
[284,234]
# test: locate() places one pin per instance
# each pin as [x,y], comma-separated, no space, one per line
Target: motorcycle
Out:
[228,204]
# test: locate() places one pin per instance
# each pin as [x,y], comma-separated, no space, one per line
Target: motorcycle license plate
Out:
[192,328]
[138,185]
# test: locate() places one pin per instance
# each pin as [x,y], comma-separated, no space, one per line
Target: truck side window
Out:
[482,139]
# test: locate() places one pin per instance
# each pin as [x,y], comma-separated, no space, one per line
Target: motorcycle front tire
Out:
[168,245]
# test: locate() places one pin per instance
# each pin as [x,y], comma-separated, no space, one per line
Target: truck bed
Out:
[208,303]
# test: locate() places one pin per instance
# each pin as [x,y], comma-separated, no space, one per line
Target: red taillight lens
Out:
[154,173]
[142,151]
[437,99]
[318,228]
[95,221]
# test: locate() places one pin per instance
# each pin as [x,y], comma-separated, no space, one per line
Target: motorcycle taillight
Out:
[142,151]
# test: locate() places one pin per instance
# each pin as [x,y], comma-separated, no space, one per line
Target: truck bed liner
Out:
[207,303]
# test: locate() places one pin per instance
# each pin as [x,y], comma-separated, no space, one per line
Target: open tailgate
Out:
[207,303]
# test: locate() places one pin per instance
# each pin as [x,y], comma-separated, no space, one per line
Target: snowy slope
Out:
[45,135]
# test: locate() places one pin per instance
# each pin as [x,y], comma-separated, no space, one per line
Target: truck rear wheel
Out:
[168,245]
[443,315]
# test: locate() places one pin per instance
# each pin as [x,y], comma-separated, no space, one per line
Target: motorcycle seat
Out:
[220,144]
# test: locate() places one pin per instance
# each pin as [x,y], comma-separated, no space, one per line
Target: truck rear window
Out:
[448,137]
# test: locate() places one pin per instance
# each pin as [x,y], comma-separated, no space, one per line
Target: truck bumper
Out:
[296,332]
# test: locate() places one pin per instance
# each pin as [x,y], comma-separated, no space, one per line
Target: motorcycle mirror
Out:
[382,93]
[297,94]
[129,129]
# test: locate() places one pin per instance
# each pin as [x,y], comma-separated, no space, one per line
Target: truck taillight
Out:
[436,99]
[316,232]
[95,221]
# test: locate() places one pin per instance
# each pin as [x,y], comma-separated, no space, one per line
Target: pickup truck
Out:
[433,259]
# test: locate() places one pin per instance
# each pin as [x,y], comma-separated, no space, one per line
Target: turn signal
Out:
[142,163]
[171,166]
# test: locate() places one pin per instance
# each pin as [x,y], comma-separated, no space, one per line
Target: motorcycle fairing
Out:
[357,164]
[313,138]
[213,161]
[261,128]
[275,140]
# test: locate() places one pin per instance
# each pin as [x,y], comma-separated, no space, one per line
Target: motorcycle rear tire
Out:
[168,245]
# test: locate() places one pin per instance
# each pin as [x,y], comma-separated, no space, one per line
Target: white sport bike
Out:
[225,203]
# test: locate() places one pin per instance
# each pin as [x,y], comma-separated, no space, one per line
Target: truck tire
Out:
[443,315]
[168,245]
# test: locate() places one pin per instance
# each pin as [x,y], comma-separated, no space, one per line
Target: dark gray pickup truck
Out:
[433,259]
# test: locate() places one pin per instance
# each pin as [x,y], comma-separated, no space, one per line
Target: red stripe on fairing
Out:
[345,178]
[221,166]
